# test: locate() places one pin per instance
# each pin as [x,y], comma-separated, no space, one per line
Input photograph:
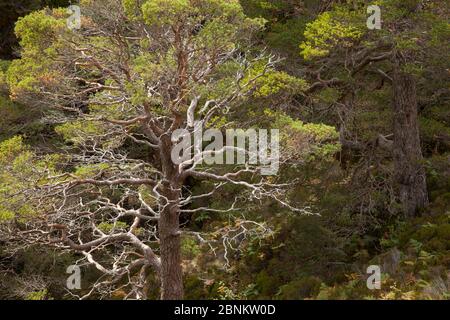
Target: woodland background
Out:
[349,181]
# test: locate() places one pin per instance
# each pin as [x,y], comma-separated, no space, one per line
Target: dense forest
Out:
[119,172]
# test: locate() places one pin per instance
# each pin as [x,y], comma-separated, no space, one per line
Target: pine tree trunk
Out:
[171,273]
[409,170]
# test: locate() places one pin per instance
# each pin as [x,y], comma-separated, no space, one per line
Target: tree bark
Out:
[171,273]
[409,174]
